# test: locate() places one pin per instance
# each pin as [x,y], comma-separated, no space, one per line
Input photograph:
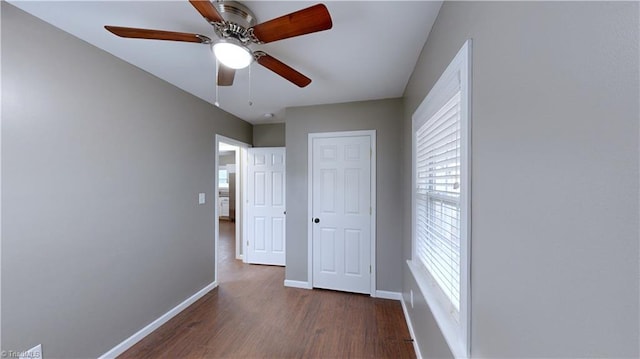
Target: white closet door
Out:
[341,196]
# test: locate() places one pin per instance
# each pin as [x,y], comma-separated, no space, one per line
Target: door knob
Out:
[317,220]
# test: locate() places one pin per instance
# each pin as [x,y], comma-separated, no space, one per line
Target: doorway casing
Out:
[240,209]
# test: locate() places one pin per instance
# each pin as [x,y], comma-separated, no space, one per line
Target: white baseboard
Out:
[388,295]
[297,284]
[416,347]
[129,342]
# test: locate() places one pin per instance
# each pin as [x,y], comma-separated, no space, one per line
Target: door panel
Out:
[352,252]
[341,201]
[266,206]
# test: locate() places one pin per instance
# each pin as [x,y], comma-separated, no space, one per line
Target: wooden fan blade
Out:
[134,33]
[225,75]
[206,9]
[312,19]
[282,69]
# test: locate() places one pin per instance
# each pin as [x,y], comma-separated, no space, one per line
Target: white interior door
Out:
[341,212]
[266,206]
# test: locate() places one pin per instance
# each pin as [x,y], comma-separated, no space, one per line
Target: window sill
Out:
[451,330]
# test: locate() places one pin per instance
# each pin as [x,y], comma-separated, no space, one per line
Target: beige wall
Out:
[227,159]
[384,116]
[102,164]
[269,135]
[554,247]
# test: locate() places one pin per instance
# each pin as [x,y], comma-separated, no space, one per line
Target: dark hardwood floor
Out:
[252,315]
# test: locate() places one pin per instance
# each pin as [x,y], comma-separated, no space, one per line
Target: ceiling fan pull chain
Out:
[250,92]
[216,82]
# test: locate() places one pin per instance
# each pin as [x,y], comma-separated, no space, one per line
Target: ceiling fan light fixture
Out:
[232,54]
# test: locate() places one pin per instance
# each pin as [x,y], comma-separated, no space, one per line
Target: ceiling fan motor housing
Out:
[238,20]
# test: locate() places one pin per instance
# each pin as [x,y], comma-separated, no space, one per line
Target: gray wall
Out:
[385,116]
[227,159]
[101,168]
[554,179]
[269,135]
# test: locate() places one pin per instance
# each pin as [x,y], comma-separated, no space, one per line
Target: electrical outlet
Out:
[411,295]
[201,198]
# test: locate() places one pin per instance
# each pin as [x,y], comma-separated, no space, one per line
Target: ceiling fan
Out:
[235,26]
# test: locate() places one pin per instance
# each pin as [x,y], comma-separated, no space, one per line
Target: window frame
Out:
[456,331]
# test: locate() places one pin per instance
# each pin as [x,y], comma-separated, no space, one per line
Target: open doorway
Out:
[229,193]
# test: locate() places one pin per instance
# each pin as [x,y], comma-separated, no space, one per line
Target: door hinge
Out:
[370,152]
[369,269]
[247,243]
[370,211]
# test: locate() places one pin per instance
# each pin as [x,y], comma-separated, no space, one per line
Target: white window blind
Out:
[438,158]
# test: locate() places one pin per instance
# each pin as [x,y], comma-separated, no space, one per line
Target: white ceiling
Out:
[368,54]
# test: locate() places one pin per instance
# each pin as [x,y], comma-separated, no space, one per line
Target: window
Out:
[440,258]
[223,178]
[438,198]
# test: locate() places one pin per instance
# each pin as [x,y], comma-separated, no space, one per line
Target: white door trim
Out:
[241,170]
[312,136]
